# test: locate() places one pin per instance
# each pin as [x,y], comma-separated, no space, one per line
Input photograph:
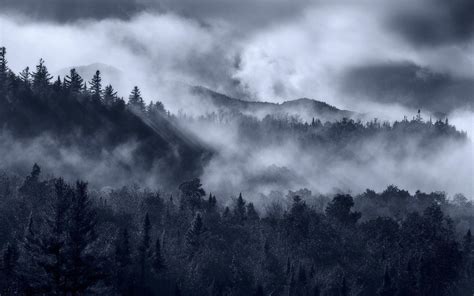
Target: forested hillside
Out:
[58,238]
[76,121]
[80,128]
[147,226]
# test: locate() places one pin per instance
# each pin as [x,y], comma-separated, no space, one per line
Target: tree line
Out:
[63,239]
[93,119]
[58,238]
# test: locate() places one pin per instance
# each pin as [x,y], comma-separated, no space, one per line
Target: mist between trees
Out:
[83,129]
[58,238]
[168,236]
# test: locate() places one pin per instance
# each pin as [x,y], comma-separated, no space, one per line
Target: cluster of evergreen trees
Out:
[41,84]
[60,239]
[93,119]
[338,134]
[63,239]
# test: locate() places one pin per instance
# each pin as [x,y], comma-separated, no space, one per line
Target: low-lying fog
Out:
[311,51]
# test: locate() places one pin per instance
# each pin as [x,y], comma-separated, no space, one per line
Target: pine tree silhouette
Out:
[96,86]
[74,82]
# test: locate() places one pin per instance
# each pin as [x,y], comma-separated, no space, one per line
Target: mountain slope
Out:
[304,107]
[75,135]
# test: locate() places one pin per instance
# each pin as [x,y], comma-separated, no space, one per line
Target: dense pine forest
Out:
[60,238]
[146,226]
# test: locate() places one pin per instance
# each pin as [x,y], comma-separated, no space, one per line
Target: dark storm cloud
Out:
[410,85]
[435,22]
[245,13]
[71,10]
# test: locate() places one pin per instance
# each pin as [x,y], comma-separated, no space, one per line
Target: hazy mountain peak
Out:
[305,108]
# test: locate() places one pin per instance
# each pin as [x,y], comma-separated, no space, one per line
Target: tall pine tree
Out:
[3,69]
[73,82]
[135,100]
[96,86]
[41,78]
[82,261]
[110,95]
[144,256]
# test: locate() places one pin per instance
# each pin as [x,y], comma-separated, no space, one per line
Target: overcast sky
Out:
[407,54]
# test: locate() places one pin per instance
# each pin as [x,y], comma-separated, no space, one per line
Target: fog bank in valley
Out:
[422,59]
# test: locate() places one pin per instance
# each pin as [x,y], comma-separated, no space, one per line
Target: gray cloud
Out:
[409,85]
[335,51]
[72,10]
[271,50]
[246,13]
[435,22]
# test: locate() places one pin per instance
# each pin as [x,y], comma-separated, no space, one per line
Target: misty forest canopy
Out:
[83,128]
[63,238]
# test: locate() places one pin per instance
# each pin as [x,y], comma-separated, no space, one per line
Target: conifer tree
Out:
[53,237]
[123,273]
[468,254]
[57,85]
[468,245]
[239,210]
[339,209]
[25,76]
[41,78]
[110,95]
[32,179]
[10,258]
[251,212]
[145,242]
[226,214]
[210,202]
[32,190]
[191,194]
[193,235]
[96,86]
[82,263]
[44,255]
[158,260]
[9,269]
[3,62]
[122,249]
[73,82]
[135,100]
[31,272]
[3,68]
[144,255]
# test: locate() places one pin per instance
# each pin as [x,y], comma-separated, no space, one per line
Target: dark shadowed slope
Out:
[77,132]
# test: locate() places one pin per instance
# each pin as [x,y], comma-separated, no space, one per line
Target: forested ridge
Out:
[91,118]
[67,238]
[58,238]
[72,122]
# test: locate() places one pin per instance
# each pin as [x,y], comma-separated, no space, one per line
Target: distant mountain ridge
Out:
[110,74]
[303,107]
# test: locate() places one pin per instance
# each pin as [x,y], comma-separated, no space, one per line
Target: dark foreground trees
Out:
[67,241]
[58,238]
